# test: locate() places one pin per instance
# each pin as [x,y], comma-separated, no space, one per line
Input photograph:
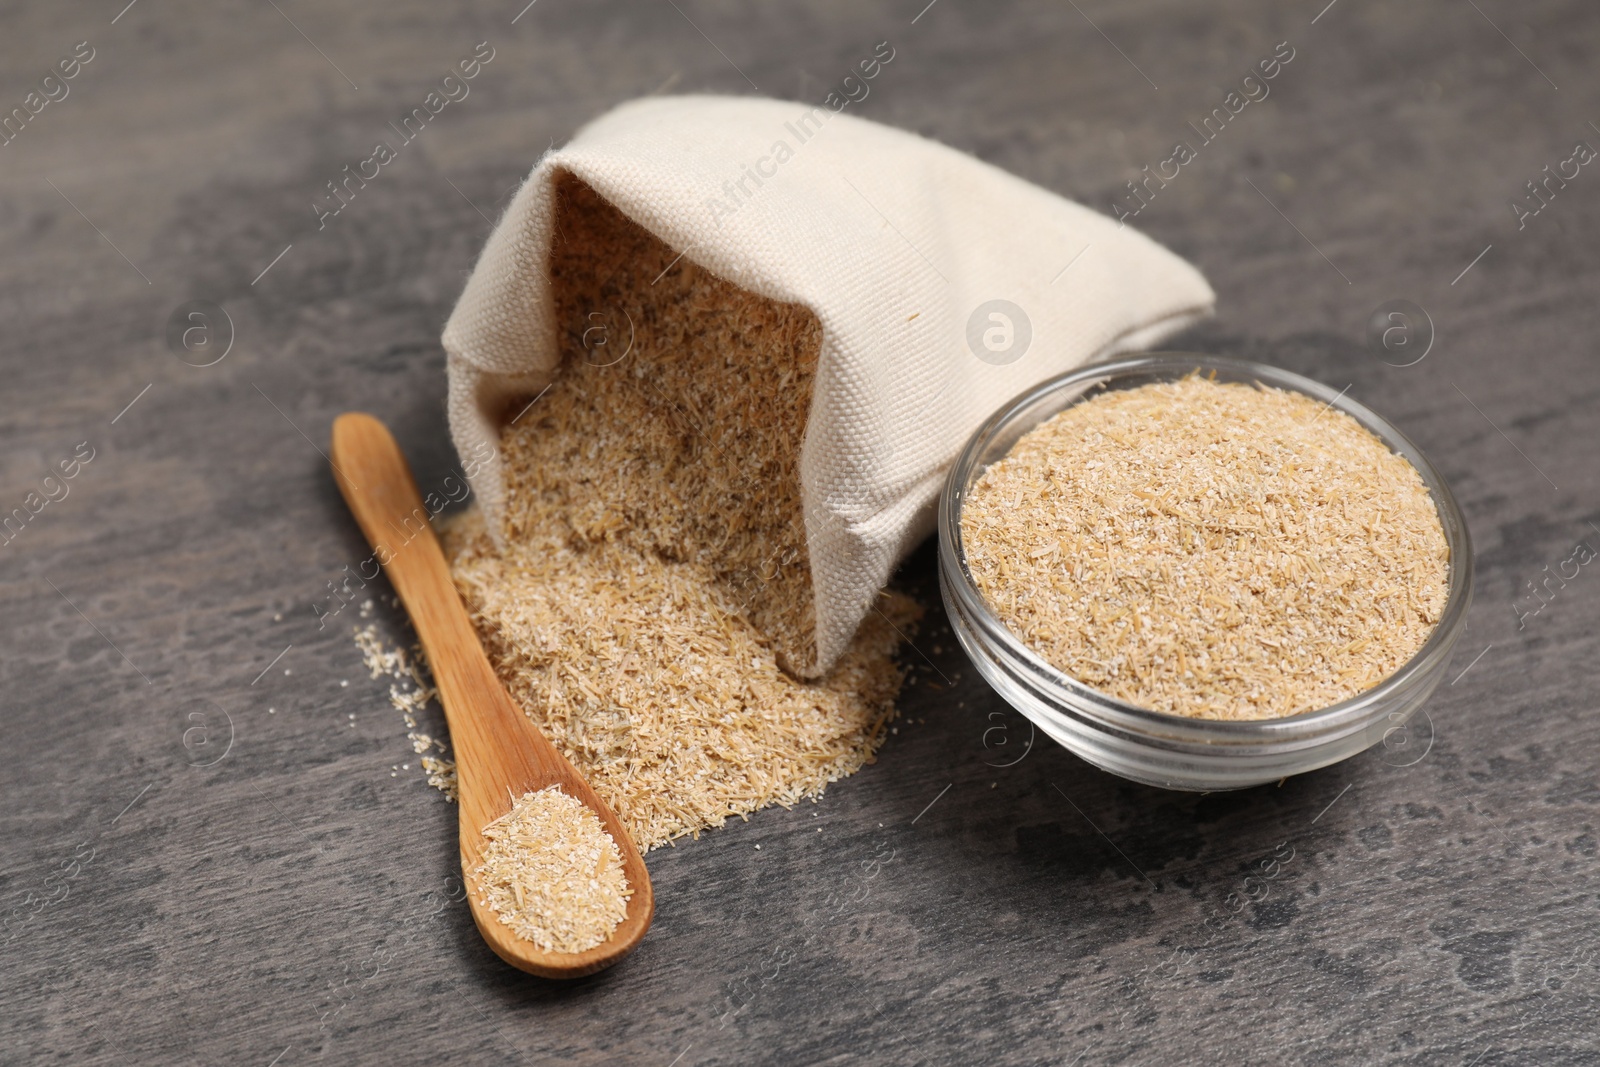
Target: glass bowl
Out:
[1155,747]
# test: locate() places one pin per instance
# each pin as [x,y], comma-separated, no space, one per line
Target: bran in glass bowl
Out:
[1178,566]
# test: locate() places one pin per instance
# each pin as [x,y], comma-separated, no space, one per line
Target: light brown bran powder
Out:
[1213,550]
[410,690]
[655,583]
[552,873]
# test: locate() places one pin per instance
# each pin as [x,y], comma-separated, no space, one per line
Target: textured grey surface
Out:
[291,902]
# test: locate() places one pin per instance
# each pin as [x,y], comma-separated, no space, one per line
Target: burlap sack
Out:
[943,285]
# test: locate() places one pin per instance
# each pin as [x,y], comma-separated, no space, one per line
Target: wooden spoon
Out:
[499,753]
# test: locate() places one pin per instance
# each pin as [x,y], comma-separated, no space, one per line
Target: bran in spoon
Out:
[552,873]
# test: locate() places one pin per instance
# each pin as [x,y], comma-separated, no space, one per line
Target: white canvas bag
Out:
[944,287]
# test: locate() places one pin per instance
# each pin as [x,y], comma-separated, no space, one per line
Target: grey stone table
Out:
[218,847]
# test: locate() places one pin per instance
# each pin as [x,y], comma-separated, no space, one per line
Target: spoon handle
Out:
[377,484]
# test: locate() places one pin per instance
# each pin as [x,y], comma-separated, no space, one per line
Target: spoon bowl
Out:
[500,755]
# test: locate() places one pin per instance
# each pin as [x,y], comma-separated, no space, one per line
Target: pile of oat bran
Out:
[1214,550]
[654,581]
[552,874]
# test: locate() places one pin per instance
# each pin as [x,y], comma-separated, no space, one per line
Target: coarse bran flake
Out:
[654,582]
[1214,550]
[552,874]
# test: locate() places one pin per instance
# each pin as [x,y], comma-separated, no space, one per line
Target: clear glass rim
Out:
[1355,713]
